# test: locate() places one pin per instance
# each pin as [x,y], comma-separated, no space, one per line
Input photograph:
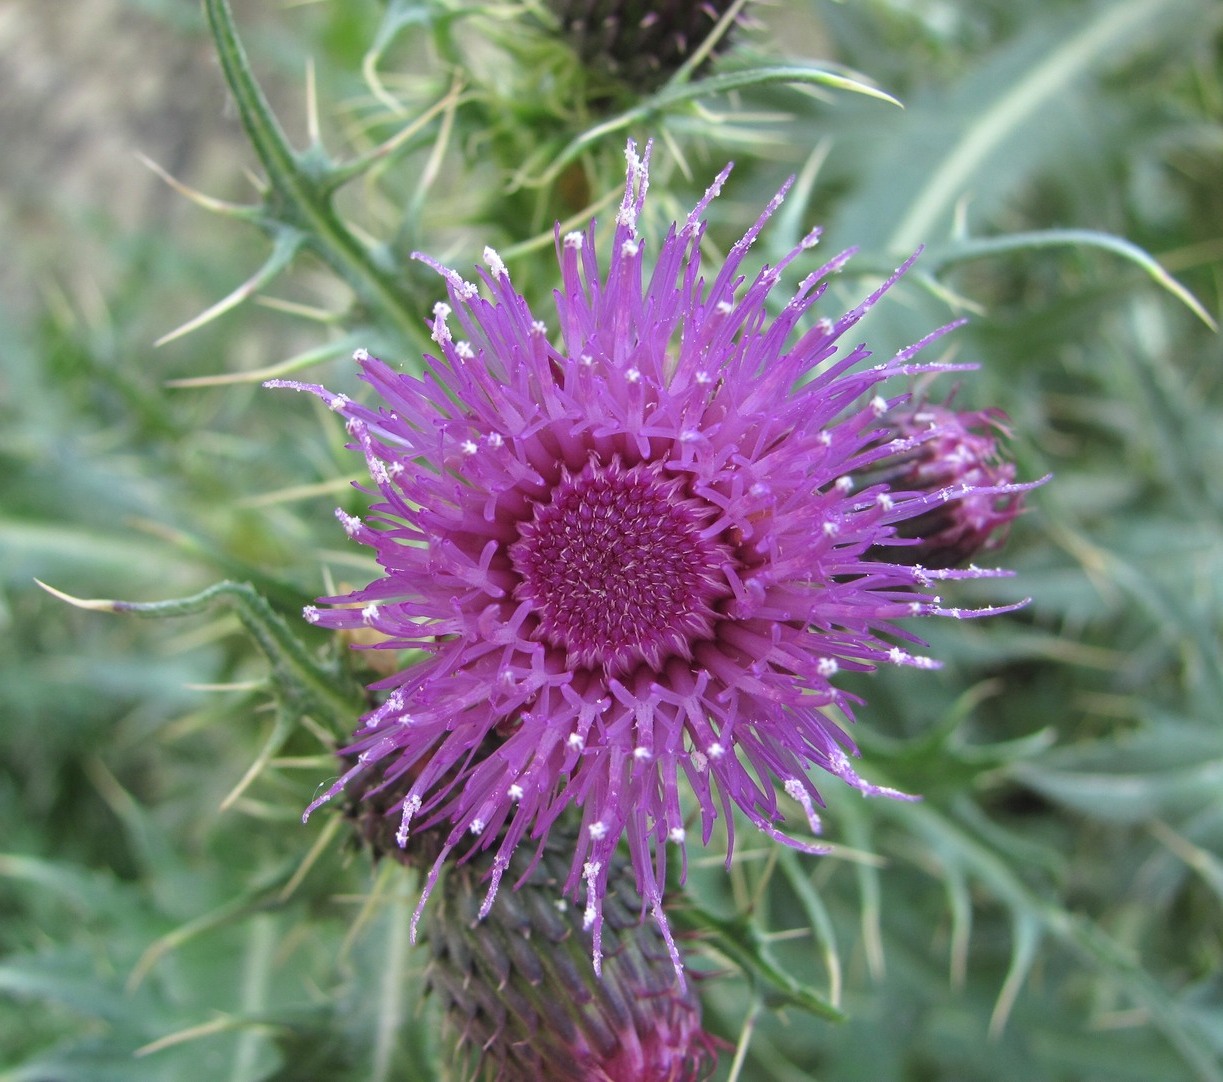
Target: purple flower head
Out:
[628,546]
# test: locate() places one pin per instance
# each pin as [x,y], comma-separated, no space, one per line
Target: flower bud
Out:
[943,452]
[642,44]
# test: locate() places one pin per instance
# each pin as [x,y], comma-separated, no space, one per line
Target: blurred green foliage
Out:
[1053,909]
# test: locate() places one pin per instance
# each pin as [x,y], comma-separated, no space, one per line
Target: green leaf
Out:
[671,96]
[303,681]
[990,132]
[740,939]
[951,253]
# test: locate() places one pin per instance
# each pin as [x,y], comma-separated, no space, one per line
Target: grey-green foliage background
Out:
[1051,910]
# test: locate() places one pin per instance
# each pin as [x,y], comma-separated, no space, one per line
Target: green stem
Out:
[299,182]
[299,677]
[741,941]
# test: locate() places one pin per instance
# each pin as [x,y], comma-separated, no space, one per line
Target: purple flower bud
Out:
[642,44]
[952,458]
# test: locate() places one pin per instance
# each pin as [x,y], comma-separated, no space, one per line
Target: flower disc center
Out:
[617,568]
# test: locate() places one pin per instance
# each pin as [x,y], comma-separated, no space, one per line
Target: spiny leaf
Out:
[986,134]
[1112,27]
[964,250]
[306,359]
[287,244]
[672,95]
[740,939]
[300,677]
[1035,914]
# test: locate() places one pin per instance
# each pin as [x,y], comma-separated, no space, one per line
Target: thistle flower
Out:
[631,554]
[936,448]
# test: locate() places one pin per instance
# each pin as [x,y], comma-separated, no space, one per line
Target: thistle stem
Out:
[300,187]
